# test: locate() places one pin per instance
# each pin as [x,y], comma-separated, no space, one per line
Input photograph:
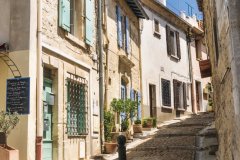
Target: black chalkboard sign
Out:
[18,93]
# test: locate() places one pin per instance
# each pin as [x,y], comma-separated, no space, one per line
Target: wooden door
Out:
[152,100]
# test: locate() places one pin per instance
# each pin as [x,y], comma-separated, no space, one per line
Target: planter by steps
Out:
[8,153]
[110,147]
[137,128]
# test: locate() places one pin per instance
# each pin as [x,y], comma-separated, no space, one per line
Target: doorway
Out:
[152,100]
[47,120]
[198,95]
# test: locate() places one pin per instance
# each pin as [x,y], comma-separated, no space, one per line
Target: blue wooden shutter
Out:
[128,45]
[64,14]
[139,106]
[89,21]
[132,98]
[119,26]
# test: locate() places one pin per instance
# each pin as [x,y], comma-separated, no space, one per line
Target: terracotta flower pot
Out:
[137,128]
[110,147]
[9,153]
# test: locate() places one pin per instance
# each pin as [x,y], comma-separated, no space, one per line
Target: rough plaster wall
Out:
[20,24]
[4,21]
[56,37]
[226,94]
[116,68]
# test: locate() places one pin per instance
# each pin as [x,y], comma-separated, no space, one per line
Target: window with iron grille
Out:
[77,106]
[166,92]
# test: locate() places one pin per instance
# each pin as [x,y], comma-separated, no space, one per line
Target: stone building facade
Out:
[63,121]
[171,82]
[222,30]
[122,50]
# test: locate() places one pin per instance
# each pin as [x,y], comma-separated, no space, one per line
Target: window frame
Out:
[73,125]
[169,104]
[173,43]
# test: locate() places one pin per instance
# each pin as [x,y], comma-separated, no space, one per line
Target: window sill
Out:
[175,57]
[181,109]
[75,40]
[157,35]
[166,107]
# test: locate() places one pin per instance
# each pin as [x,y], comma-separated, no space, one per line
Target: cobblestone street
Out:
[185,140]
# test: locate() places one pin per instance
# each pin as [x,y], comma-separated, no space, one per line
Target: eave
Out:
[137,9]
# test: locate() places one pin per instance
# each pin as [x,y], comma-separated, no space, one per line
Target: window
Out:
[180,94]
[166,93]
[157,29]
[123,31]
[173,43]
[76,106]
[76,17]
[198,45]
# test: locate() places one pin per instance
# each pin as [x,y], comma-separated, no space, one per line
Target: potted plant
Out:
[7,122]
[149,123]
[137,127]
[110,146]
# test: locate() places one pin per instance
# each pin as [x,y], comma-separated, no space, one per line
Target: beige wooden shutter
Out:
[178,45]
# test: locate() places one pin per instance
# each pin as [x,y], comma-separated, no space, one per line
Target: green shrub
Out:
[108,125]
[138,121]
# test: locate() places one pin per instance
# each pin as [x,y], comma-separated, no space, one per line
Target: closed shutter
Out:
[89,21]
[119,26]
[128,43]
[168,39]
[184,96]
[64,14]
[175,92]
[178,45]
[139,106]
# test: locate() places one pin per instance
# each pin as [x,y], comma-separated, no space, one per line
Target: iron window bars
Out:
[77,106]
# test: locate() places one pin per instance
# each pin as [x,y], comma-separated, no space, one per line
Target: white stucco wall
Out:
[156,63]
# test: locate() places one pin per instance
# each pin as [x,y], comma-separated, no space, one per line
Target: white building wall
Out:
[156,63]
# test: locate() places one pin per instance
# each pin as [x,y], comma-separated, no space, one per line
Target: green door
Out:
[47,122]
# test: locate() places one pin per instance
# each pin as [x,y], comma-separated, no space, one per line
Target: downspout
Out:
[107,57]
[191,69]
[101,103]
[39,119]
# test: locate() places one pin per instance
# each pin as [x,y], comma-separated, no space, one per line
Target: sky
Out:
[184,5]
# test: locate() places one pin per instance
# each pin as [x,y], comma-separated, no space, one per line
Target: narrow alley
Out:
[191,139]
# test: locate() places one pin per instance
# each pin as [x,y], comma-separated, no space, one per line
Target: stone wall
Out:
[225,70]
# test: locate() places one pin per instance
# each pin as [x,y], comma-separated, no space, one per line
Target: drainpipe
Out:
[191,69]
[101,103]
[39,112]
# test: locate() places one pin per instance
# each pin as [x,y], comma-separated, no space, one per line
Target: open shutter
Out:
[64,14]
[178,45]
[89,21]
[132,98]
[119,26]
[168,39]
[128,42]
[184,96]
[139,114]
[176,93]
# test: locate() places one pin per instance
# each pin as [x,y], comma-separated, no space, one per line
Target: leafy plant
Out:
[8,121]
[138,121]
[149,122]
[126,109]
[108,125]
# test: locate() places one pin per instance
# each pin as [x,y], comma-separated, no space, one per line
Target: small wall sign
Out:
[18,95]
